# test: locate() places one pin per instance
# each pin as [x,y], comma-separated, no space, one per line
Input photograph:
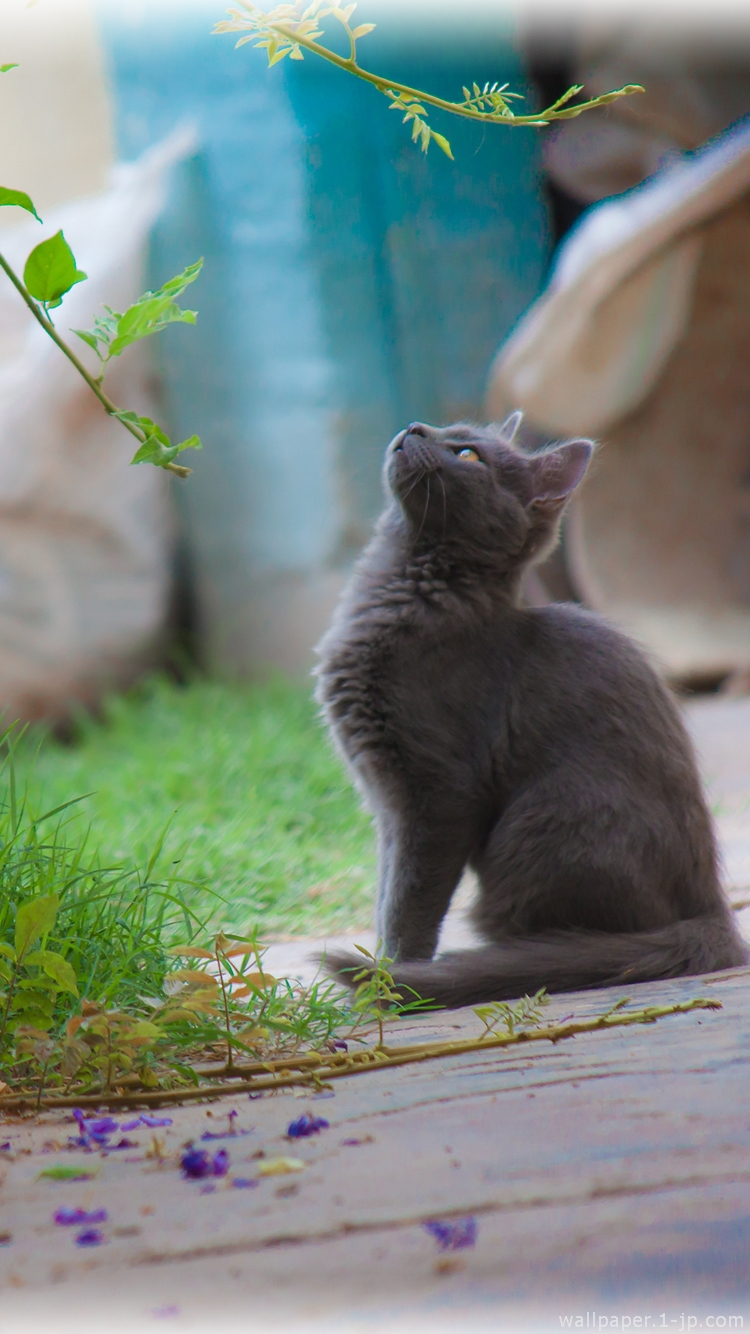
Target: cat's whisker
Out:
[445,507]
[424,516]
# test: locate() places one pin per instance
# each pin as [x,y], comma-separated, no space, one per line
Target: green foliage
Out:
[157,448]
[289,29]
[59,1172]
[257,804]
[151,313]
[526,1013]
[32,978]
[376,997]
[51,271]
[17,199]
[415,112]
[69,928]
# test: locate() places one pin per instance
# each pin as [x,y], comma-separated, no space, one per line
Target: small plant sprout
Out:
[291,29]
[376,997]
[525,1014]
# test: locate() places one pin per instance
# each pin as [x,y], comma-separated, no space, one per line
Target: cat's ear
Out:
[510,427]
[557,472]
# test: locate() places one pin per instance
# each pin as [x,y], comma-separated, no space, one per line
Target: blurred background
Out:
[596,275]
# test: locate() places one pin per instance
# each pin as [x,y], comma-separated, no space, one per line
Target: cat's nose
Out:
[417,428]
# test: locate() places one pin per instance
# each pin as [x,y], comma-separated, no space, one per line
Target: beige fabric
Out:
[56,141]
[595,343]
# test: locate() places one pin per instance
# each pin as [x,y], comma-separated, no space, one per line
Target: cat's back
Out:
[583,682]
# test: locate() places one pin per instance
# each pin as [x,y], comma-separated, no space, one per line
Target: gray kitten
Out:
[536,746]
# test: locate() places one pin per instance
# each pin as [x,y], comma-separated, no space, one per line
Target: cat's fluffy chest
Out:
[400,683]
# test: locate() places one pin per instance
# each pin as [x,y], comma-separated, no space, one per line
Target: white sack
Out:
[85,540]
[594,344]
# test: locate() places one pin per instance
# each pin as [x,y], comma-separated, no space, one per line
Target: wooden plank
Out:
[609,1168]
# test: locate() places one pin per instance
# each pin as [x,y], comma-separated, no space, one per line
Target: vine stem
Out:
[109,407]
[455,108]
[339,1066]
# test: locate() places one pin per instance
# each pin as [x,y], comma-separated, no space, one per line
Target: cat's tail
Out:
[564,961]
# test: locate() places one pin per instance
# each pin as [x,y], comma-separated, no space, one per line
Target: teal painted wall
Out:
[351,284]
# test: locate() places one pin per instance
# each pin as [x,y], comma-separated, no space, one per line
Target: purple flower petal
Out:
[90,1237]
[306,1125]
[198,1163]
[131,1125]
[4,1147]
[221,1163]
[152,1121]
[245,1183]
[454,1234]
[76,1217]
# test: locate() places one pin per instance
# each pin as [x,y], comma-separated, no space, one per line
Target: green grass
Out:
[259,808]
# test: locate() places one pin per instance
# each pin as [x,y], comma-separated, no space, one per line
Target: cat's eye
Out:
[469,454]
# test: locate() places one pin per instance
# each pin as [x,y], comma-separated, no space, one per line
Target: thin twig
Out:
[388,86]
[339,1065]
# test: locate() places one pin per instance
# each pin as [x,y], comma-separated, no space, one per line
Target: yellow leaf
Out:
[280,1167]
[195,975]
[257,980]
[362,30]
[144,1029]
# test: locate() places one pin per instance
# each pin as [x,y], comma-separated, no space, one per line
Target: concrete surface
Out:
[607,1176]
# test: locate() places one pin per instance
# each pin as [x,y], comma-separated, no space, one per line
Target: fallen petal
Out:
[65,1217]
[454,1234]
[306,1125]
[90,1237]
[221,1163]
[196,1163]
[279,1167]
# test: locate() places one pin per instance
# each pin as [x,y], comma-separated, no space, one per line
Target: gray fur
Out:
[537,746]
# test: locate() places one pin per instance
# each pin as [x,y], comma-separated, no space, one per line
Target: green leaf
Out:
[19,199]
[4,68]
[442,142]
[51,271]
[145,1029]
[154,311]
[8,951]
[38,1019]
[177,285]
[5,971]
[157,448]
[56,967]
[34,1000]
[35,919]
[60,1173]
[87,337]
